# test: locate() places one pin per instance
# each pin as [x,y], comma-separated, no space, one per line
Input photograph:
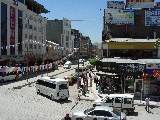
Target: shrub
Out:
[93,62]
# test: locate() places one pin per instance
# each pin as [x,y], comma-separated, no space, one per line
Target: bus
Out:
[55,88]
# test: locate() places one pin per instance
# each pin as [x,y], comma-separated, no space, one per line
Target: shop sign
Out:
[139,3]
[152,17]
[119,17]
[115,4]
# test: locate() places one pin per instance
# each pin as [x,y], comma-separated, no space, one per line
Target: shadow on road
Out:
[133,114]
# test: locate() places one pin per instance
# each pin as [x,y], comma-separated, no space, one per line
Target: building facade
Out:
[59,31]
[23,30]
[136,31]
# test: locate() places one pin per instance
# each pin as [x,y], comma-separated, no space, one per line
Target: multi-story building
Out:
[85,47]
[23,29]
[53,50]
[59,31]
[136,31]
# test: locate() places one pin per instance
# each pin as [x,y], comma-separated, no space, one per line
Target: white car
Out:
[99,113]
[67,66]
[81,60]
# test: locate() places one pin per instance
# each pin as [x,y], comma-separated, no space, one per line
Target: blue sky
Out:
[91,11]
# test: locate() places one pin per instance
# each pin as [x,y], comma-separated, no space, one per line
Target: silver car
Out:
[99,113]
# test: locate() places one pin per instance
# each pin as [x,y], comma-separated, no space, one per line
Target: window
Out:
[30,36]
[35,46]
[30,46]
[108,100]
[25,45]
[35,28]
[40,82]
[30,26]
[51,85]
[39,47]
[63,86]
[25,35]
[127,100]
[102,113]
[118,99]
[25,25]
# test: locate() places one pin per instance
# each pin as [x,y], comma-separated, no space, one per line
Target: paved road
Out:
[23,103]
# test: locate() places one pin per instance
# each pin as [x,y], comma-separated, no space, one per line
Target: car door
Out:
[99,115]
[117,102]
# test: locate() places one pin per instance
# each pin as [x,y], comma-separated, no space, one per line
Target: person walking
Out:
[67,117]
[99,89]
[147,103]
[102,87]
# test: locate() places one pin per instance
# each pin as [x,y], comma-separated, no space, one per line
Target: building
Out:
[129,48]
[96,49]
[77,35]
[136,31]
[53,50]
[59,31]
[23,29]
[85,47]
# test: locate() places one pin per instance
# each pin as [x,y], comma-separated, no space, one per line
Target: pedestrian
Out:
[99,89]
[147,103]
[102,87]
[91,79]
[67,117]
[90,74]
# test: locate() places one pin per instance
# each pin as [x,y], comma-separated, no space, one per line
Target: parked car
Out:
[74,75]
[67,66]
[99,113]
[81,61]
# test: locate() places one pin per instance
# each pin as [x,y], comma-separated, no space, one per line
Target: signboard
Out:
[152,17]
[119,17]
[115,4]
[12,25]
[152,68]
[157,5]
[139,3]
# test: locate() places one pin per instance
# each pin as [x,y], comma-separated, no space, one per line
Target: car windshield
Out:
[88,110]
[104,99]
[116,111]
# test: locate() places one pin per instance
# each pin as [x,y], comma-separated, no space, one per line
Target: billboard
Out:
[119,17]
[157,5]
[152,17]
[115,4]
[152,68]
[139,3]
[12,25]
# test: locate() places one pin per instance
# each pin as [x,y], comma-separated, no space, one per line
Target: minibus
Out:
[55,88]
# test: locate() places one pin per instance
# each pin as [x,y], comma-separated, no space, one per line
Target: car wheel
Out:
[2,80]
[95,119]
[52,97]
[66,98]
[125,111]
[38,92]
[16,78]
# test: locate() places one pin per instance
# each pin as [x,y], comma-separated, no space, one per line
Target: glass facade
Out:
[20,27]
[3,28]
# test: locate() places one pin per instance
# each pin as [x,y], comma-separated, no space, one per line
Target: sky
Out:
[91,11]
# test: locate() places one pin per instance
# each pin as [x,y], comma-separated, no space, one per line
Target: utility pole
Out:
[47,59]
[27,63]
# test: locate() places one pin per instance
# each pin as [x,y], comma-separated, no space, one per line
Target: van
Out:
[81,69]
[55,88]
[114,100]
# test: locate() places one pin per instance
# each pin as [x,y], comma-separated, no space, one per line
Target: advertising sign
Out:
[152,17]
[115,4]
[139,3]
[119,17]
[157,5]
[12,25]
[152,68]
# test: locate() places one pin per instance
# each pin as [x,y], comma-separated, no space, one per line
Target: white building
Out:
[23,29]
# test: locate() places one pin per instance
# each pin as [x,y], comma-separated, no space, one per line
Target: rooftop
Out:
[130,40]
[35,7]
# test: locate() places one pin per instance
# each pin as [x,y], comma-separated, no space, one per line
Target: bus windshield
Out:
[63,86]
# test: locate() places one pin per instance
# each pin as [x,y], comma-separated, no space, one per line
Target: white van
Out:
[81,69]
[56,88]
[114,100]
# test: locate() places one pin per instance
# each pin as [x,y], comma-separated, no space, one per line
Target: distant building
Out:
[59,31]
[77,36]
[96,49]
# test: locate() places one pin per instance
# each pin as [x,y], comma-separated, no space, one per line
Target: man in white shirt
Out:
[147,103]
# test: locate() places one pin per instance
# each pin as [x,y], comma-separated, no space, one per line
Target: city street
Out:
[22,103]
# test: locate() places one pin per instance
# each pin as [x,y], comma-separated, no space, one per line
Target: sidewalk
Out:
[94,93]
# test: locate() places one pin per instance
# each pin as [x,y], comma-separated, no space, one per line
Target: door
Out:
[138,85]
[118,102]
[63,90]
